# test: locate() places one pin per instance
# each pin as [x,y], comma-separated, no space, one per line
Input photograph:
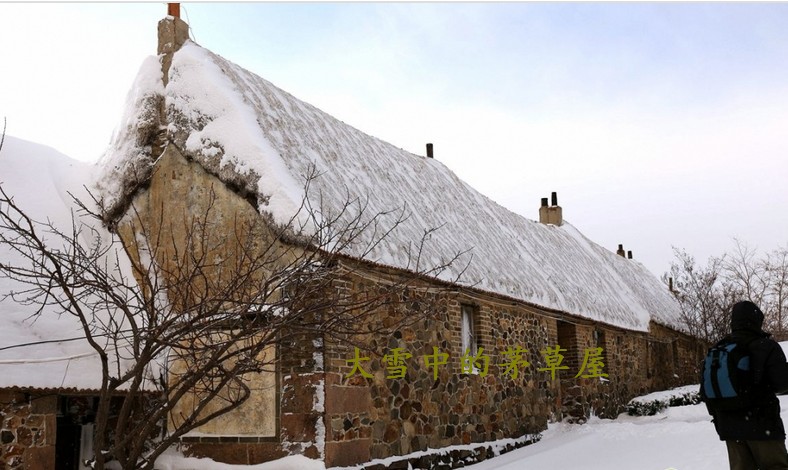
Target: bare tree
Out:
[706,293]
[700,294]
[176,317]
[777,291]
[744,270]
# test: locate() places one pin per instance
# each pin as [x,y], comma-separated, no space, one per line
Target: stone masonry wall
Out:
[636,363]
[379,417]
[28,425]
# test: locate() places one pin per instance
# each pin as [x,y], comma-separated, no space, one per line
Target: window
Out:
[468,329]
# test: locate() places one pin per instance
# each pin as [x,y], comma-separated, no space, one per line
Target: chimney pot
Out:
[554,196]
[629,254]
[544,202]
[429,151]
[620,251]
[174,9]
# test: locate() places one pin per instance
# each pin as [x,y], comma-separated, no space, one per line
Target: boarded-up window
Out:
[255,417]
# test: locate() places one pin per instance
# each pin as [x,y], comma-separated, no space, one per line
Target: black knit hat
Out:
[746,315]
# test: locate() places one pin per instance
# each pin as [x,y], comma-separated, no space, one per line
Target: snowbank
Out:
[172,460]
[679,438]
[45,351]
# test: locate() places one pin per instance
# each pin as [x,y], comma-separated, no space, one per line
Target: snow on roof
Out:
[263,140]
[48,352]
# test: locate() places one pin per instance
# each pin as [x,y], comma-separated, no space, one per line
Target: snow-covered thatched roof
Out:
[45,351]
[263,140]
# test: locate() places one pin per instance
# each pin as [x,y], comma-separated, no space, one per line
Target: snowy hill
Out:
[264,141]
[42,352]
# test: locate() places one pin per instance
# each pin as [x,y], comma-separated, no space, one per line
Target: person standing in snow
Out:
[755,435]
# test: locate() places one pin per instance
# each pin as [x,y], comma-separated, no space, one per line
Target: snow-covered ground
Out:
[174,461]
[678,438]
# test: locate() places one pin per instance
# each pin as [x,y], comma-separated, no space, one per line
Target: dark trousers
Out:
[757,455]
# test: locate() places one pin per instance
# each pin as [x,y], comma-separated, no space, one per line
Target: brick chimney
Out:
[551,214]
[173,32]
[620,252]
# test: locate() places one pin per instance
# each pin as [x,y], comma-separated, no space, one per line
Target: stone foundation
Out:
[27,435]
[454,458]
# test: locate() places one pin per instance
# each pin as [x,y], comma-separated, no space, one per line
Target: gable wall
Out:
[180,193]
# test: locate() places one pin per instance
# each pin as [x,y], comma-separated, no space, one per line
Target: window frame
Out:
[470,334]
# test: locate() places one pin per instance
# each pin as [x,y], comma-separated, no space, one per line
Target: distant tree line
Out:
[706,292]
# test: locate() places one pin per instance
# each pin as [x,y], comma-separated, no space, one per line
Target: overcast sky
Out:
[658,124]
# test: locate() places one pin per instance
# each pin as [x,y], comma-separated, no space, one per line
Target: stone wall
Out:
[379,417]
[636,363]
[27,433]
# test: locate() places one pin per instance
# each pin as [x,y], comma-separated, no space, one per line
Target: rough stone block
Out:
[333,379]
[348,452]
[8,396]
[264,452]
[44,405]
[298,426]
[226,453]
[51,430]
[7,437]
[341,399]
[377,466]
[39,458]
[392,432]
[299,393]
[34,421]
[24,436]
[401,465]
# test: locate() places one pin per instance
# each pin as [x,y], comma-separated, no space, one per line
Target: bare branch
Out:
[186,309]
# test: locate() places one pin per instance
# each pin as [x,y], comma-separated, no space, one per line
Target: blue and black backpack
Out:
[726,377]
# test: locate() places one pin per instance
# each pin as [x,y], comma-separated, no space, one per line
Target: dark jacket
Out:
[770,376]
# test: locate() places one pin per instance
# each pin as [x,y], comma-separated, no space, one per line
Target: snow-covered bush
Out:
[653,403]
